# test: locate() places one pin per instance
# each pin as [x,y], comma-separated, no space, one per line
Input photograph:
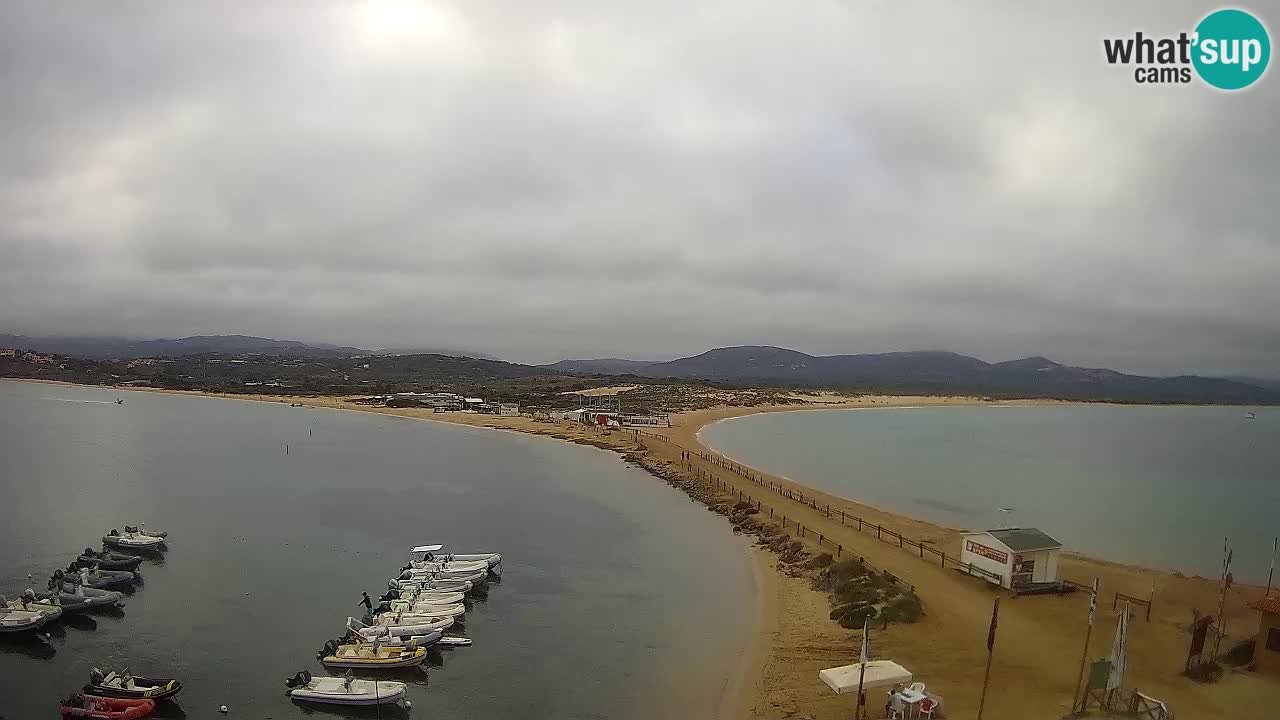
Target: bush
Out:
[853,591]
[853,615]
[905,608]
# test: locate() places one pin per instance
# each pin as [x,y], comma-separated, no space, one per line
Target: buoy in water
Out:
[408,704]
[223,709]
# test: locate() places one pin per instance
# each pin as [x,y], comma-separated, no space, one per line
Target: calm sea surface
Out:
[1158,486]
[621,598]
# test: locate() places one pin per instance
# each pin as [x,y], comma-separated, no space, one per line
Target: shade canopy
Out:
[879,673]
[427,548]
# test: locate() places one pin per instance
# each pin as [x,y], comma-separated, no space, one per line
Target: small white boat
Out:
[50,608]
[411,641]
[430,597]
[471,576]
[436,567]
[454,641]
[415,613]
[132,540]
[374,655]
[384,626]
[20,621]
[345,690]
[432,553]
[437,585]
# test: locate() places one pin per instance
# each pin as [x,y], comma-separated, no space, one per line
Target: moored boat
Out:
[403,613]
[376,630]
[373,655]
[132,541]
[13,622]
[344,690]
[97,707]
[78,598]
[98,579]
[125,685]
[108,560]
[435,553]
[28,602]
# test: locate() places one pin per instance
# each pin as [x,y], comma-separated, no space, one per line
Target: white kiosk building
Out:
[1019,556]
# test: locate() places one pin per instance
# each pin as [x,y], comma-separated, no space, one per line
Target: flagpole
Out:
[1084,654]
[991,646]
[864,654]
[1275,545]
[1222,600]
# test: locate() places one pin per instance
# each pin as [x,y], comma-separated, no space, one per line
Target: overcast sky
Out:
[646,179]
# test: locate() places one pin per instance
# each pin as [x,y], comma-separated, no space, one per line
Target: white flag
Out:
[865,655]
[1119,648]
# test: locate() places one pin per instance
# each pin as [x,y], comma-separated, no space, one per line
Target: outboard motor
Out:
[389,596]
[88,552]
[114,533]
[96,677]
[301,679]
[330,647]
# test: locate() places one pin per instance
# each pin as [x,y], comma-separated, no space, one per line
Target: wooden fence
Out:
[1115,600]
[887,535]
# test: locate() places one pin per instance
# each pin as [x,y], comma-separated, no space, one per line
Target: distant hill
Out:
[450,352]
[602,366]
[105,348]
[950,373]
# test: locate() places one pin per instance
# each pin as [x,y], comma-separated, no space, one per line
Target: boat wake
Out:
[75,400]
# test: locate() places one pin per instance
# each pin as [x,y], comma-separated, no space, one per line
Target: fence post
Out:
[899,541]
[859,524]
[944,561]
[878,536]
[839,549]
[819,538]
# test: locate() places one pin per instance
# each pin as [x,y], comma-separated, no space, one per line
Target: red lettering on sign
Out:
[986,552]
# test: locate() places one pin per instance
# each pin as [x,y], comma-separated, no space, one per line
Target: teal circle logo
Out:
[1232,49]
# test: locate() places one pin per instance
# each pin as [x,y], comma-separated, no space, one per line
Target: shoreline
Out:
[793,636]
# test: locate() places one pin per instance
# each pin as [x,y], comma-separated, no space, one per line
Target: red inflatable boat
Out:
[105,708]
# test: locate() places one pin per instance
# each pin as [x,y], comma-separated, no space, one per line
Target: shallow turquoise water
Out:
[620,597]
[1158,486]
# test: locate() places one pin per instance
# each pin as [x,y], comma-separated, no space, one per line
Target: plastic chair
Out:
[916,687]
[897,709]
[927,706]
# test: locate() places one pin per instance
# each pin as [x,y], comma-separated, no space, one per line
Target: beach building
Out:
[1018,556]
[1266,654]
[508,409]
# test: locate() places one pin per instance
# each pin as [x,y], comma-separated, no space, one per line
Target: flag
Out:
[1093,602]
[991,633]
[1119,648]
[864,655]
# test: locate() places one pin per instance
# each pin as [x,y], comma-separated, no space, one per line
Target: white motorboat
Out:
[132,540]
[437,585]
[50,608]
[432,597]
[411,641]
[471,576]
[344,690]
[435,553]
[454,641]
[445,566]
[385,625]
[405,610]
[374,655]
[20,621]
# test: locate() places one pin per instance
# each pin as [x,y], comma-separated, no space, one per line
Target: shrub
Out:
[905,608]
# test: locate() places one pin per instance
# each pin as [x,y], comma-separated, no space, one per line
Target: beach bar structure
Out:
[1266,655]
[1018,556]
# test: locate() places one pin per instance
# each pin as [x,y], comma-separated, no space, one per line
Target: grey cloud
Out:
[541,180]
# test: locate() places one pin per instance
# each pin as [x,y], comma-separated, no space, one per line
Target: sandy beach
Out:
[1040,639]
